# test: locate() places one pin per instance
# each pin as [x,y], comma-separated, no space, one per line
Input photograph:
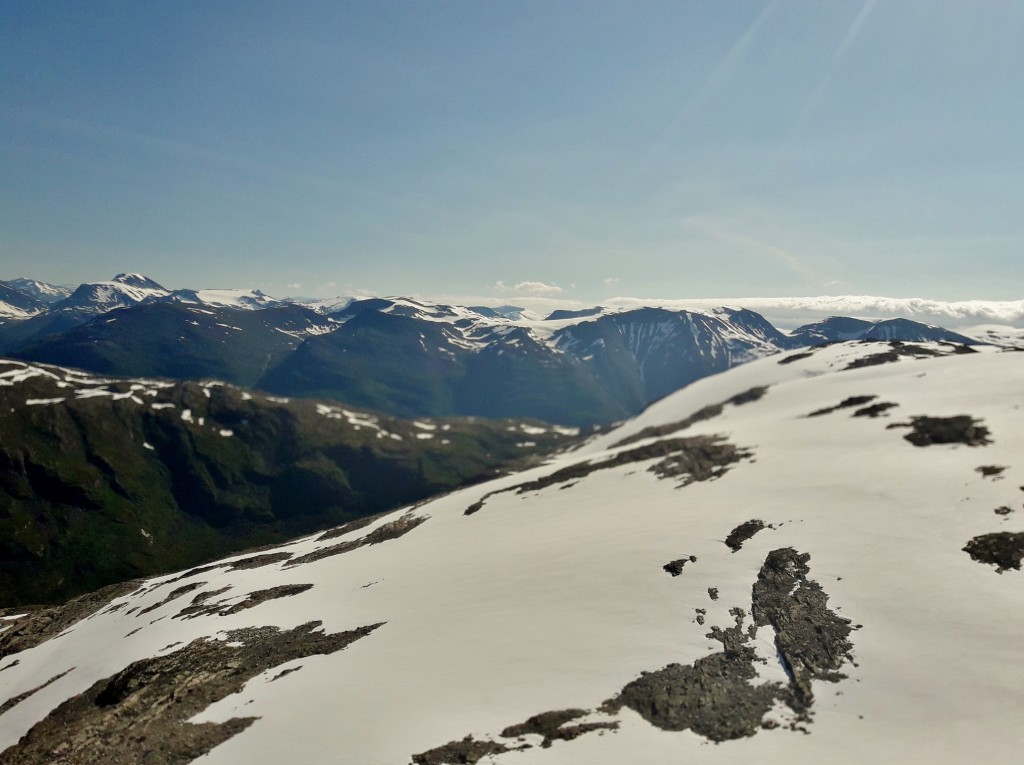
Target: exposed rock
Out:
[383,533]
[959,429]
[708,412]
[171,596]
[1004,549]
[344,529]
[1004,510]
[717,696]
[812,640]
[875,410]
[258,561]
[140,714]
[796,357]
[15,700]
[844,404]
[743,532]
[699,458]
[39,625]
[465,752]
[712,697]
[895,352]
[989,471]
[251,601]
[675,567]
[551,725]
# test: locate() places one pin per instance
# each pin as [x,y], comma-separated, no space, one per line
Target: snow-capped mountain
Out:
[809,558]
[17,304]
[414,358]
[48,293]
[122,290]
[241,299]
[839,328]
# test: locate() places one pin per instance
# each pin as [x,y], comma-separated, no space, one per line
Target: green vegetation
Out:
[97,489]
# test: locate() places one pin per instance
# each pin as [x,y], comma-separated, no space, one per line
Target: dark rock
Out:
[988,471]
[140,714]
[699,458]
[897,350]
[251,601]
[811,640]
[42,624]
[959,429]
[795,357]
[551,725]
[844,404]
[383,533]
[708,412]
[171,596]
[1003,549]
[875,410]
[465,752]
[15,700]
[258,561]
[743,532]
[713,697]
[675,567]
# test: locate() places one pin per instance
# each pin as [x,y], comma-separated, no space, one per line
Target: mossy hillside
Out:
[96,490]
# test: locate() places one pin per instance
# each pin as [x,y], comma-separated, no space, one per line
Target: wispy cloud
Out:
[812,102]
[731,233]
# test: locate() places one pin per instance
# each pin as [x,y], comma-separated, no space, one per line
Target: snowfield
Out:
[852,627]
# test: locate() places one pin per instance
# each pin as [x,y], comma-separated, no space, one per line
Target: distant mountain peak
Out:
[137,280]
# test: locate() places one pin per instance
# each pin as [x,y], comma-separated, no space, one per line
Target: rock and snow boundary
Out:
[768,566]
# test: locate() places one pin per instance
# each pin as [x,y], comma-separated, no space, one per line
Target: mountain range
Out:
[812,557]
[411,358]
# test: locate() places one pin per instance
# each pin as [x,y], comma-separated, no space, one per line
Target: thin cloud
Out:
[844,46]
[713,83]
[724,231]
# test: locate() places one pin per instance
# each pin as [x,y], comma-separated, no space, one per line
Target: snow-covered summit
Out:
[48,293]
[121,291]
[810,558]
[138,281]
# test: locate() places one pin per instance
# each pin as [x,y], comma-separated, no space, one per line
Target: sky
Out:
[502,150]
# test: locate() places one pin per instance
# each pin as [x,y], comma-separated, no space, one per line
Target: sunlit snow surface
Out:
[556,598]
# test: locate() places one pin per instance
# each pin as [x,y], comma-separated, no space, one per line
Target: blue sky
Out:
[572,149]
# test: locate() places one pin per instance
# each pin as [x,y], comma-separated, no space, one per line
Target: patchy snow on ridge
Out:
[781,548]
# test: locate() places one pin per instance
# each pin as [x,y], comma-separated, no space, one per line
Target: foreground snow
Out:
[556,597]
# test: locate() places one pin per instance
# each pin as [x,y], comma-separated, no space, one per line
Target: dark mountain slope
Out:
[377,360]
[102,481]
[176,340]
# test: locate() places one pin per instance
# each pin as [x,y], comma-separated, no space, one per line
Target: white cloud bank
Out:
[791,312]
[536,289]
